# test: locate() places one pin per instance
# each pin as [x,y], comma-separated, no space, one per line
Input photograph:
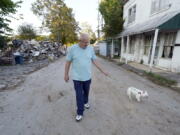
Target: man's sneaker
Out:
[87,106]
[79,117]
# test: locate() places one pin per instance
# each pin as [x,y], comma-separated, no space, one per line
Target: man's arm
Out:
[98,67]
[66,74]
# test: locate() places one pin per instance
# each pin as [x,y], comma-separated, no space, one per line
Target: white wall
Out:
[143,10]
[102,48]
[138,46]
[165,63]
[176,55]
[145,60]
[141,14]
[142,42]
[128,57]
[174,63]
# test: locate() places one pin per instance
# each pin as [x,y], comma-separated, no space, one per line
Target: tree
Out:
[86,28]
[112,13]
[42,37]
[2,41]
[7,7]
[26,32]
[58,18]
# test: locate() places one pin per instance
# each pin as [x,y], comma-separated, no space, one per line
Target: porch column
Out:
[122,48]
[127,49]
[112,49]
[153,49]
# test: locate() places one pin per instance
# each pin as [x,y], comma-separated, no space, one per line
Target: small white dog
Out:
[138,94]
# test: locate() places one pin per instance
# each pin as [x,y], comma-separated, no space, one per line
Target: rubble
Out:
[2,86]
[25,57]
[30,51]
[12,76]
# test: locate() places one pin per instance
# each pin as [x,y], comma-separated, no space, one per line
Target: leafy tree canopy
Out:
[112,13]
[7,7]
[27,31]
[58,18]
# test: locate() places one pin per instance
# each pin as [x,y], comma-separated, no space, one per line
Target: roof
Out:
[125,1]
[169,20]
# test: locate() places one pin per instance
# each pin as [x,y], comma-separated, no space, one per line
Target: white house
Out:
[102,48]
[151,33]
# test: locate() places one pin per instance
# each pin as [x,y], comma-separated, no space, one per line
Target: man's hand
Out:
[66,78]
[66,74]
[100,69]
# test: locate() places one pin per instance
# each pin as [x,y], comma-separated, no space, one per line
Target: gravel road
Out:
[45,105]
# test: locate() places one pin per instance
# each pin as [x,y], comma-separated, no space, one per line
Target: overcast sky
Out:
[84,10]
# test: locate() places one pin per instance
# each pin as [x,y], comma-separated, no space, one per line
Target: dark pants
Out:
[82,94]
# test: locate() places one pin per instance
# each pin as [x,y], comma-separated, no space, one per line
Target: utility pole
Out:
[98,21]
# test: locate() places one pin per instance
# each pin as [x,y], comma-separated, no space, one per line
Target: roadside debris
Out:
[23,51]
[21,57]
[12,76]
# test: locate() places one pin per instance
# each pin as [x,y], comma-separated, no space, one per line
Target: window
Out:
[132,14]
[158,5]
[148,42]
[132,45]
[169,45]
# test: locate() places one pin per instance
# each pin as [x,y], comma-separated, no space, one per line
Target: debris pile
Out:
[29,51]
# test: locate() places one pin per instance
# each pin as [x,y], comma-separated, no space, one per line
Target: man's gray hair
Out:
[83,36]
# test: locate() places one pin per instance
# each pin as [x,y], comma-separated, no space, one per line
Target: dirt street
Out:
[45,105]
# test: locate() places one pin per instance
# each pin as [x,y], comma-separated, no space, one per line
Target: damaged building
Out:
[151,34]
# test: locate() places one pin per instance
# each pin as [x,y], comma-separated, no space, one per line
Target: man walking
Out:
[81,56]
